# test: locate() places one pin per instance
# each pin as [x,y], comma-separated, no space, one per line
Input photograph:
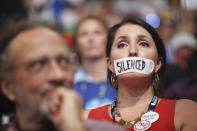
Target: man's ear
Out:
[7,91]
[158,64]
[110,64]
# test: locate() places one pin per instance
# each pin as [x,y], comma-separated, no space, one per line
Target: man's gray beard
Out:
[44,106]
[41,119]
[40,114]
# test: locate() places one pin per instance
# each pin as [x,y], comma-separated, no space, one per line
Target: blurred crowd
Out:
[175,20]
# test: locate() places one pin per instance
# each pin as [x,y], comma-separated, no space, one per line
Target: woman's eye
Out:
[98,32]
[145,44]
[82,34]
[122,45]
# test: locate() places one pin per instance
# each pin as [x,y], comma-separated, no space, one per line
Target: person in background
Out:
[179,80]
[166,31]
[183,45]
[90,79]
[138,106]
[36,73]
[186,86]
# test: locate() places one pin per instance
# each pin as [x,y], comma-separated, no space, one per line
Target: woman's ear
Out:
[110,64]
[6,90]
[158,64]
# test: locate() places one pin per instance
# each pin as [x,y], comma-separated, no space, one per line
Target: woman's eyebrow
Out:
[144,36]
[122,37]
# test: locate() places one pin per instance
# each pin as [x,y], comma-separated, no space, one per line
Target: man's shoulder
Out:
[95,125]
[8,127]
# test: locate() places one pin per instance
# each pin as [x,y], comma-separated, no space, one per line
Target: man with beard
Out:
[36,71]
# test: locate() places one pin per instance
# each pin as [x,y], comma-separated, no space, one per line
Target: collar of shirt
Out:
[81,75]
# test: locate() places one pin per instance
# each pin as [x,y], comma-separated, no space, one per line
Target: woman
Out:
[137,106]
[90,80]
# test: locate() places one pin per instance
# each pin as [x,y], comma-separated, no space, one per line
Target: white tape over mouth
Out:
[133,64]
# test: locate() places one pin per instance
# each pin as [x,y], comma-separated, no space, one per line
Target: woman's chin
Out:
[132,75]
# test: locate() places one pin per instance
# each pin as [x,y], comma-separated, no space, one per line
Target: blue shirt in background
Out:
[93,94]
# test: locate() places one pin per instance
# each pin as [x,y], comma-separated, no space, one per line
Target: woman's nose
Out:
[133,51]
[91,38]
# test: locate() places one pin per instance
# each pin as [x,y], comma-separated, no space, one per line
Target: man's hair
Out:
[9,30]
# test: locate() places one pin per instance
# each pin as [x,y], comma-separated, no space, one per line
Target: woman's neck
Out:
[134,97]
[96,68]
[135,93]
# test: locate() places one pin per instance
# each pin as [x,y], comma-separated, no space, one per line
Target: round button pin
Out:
[150,116]
[142,125]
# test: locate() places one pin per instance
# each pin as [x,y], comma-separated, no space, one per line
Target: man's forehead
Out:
[37,32]
[39,35]
[36,39]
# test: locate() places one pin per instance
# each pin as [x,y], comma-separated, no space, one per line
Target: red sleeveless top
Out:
[165,109]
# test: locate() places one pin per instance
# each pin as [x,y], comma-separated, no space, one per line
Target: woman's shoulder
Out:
[186,115]
[183,102]
[186,107]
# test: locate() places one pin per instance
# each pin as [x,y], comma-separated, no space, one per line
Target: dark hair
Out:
[9,30]
[158,42]
[90,17]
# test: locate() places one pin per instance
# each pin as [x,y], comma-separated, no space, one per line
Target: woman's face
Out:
[132,40]
[91,39]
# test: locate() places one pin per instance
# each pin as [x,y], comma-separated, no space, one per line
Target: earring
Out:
[155,80]
[114,81]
